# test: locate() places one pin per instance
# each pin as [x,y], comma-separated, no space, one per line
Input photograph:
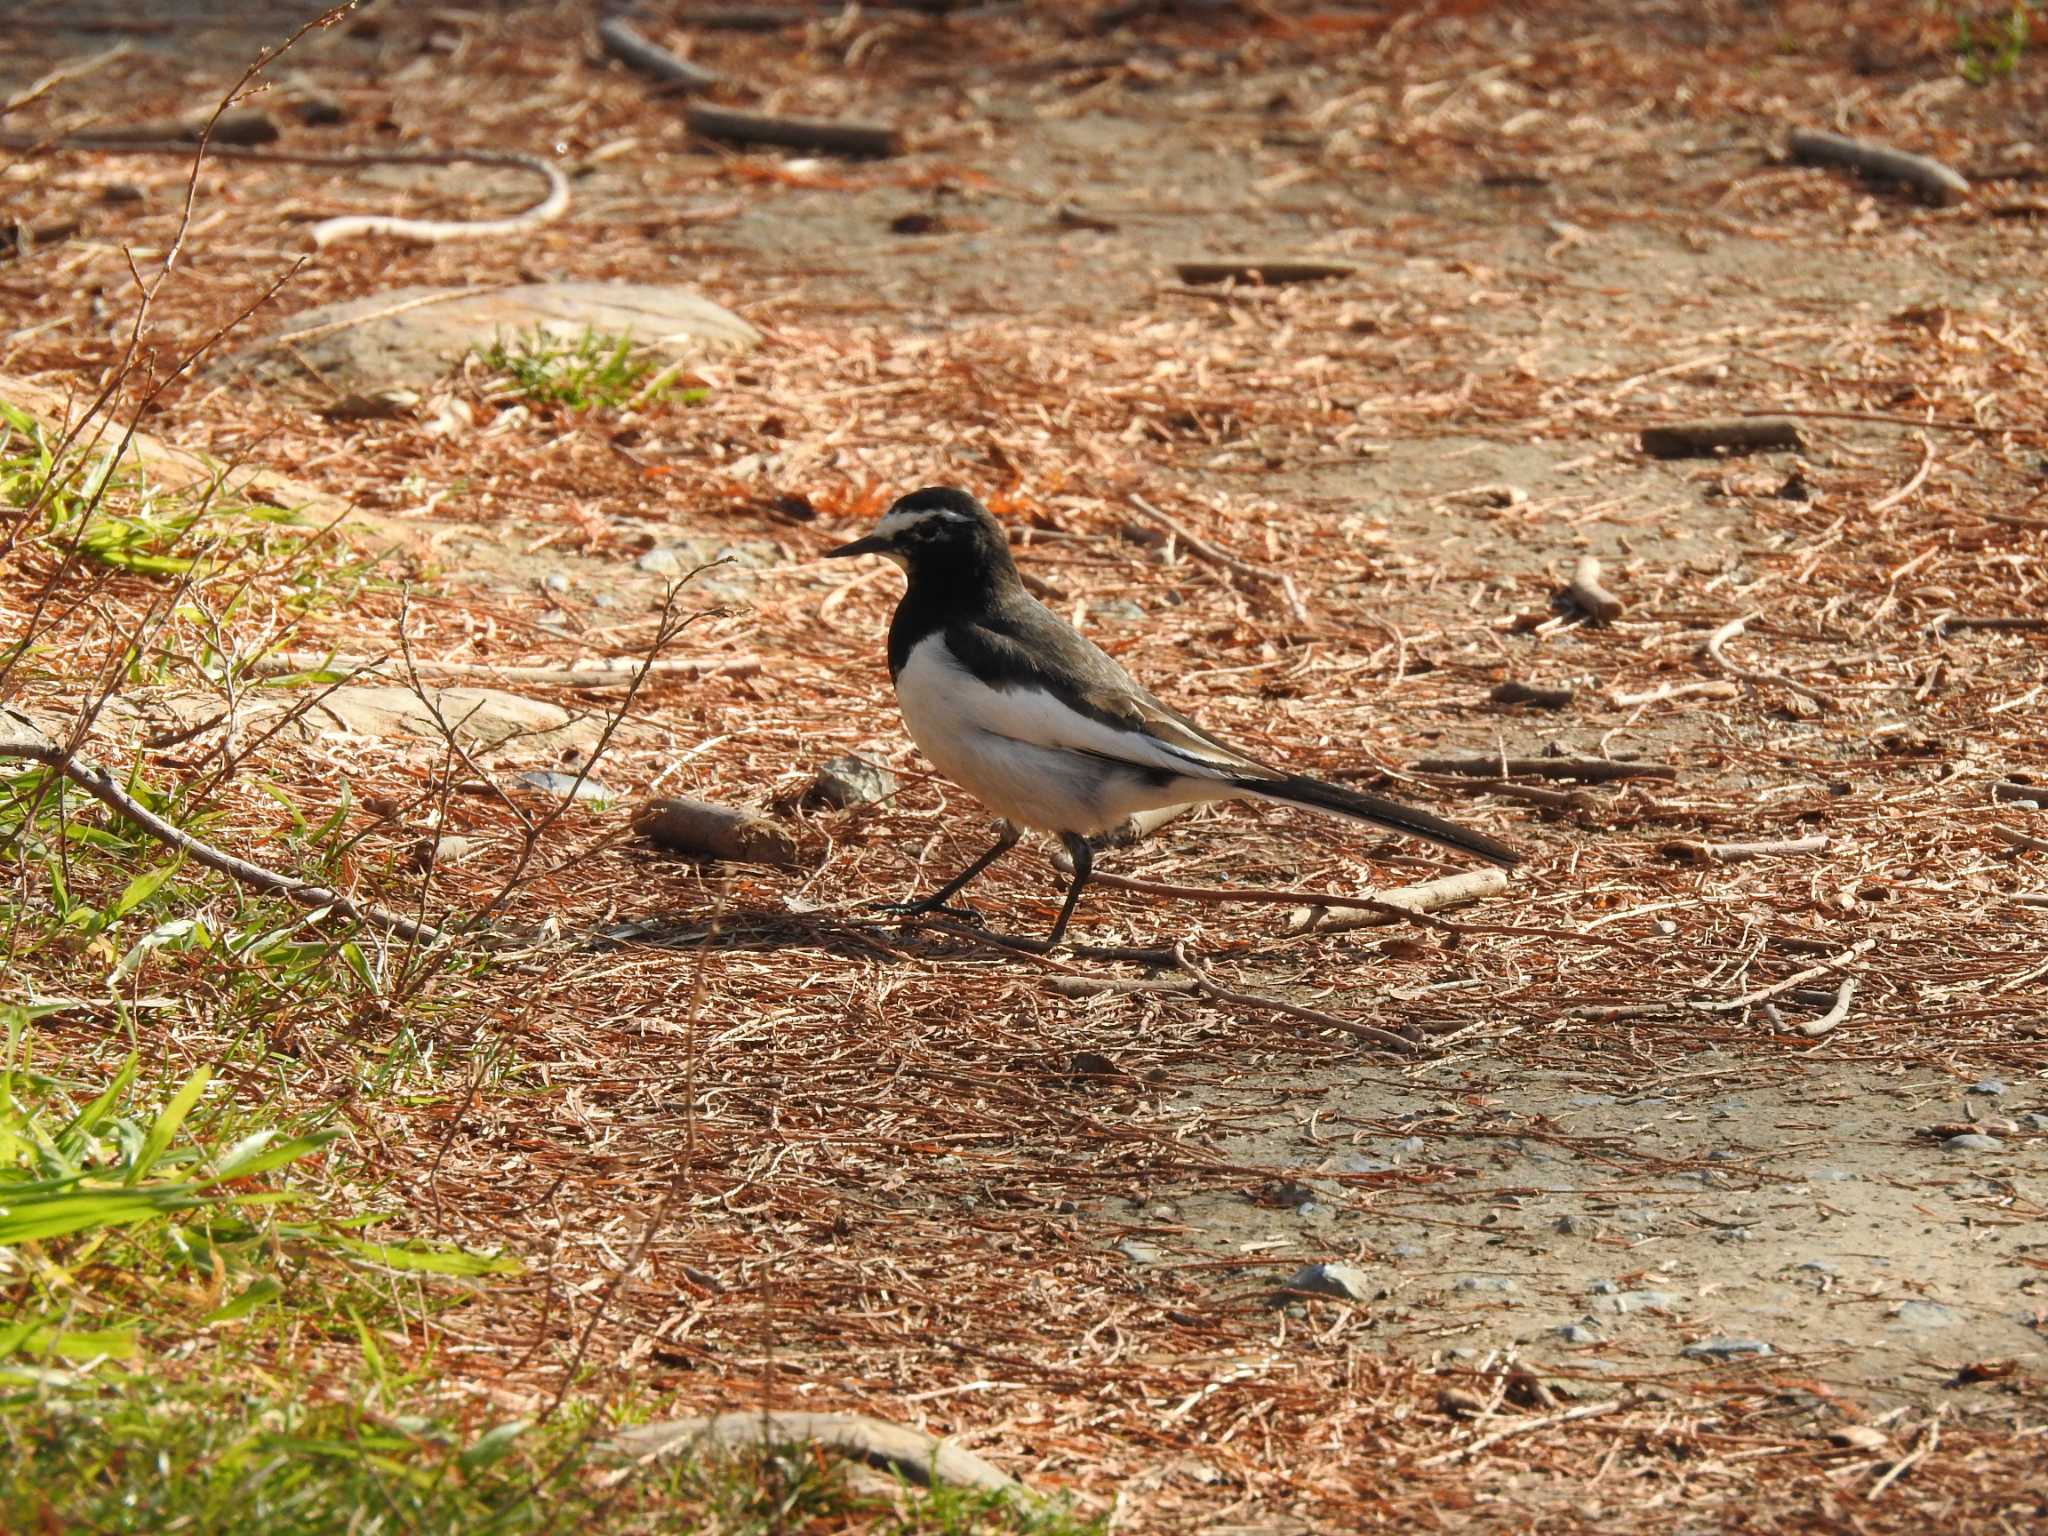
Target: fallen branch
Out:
[1586,770]
[1215,991]
[1844,996]
[1529,794]
[1262,269]
[1720,638]
[591,674]
[1691,851]
[1584,591]
[1397,905]
[1884,503]
[1791,983]
[21,738]
[1526,1427]
[2019,839]
[1936,183]
[1699,439]
[618,39]
[1666,691]
[828,135]
[327,231]
[1195,544]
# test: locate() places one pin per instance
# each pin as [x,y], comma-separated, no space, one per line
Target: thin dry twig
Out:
[1718,640]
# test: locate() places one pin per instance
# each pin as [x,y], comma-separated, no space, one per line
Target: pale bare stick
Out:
[1402,904]
[1791,983]
[1587,770]
[430,231]
[1919,478]
[1666,691]
[1715,648]
[1844,996]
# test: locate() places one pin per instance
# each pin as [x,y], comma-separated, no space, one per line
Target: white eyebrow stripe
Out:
[895,522]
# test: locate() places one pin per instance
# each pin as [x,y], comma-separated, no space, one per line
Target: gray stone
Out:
[1575,1226]
[1410,1146]
[1576,1333]
[918,1457]
[1358,1164]
[845,782]
[1138,1251]
[1492,1283]
[1973,1142]
[555,581]
[1990,1087]
[1833,1176]
[1589,1100]
[1817,1267]
[1727,1349]
[1408,1251]
[1925,1314]
[364,346]
[2035,1122]
[1347,1282]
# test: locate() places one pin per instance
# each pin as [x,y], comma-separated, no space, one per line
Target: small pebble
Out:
[1589,1100]
[1990,1088]
[1726,1349]
[1494,1283]
[2035,1122]
[1410,1146]
[1973,1142]
[1833,1176]
[1817,1267]
[1575,1226]
[1576,1333]
[1408,1251]
[1357,1164]
[550,781]
[1925,1314]
[1138,1251]
[555,581]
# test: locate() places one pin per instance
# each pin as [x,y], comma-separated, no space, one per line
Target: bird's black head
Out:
[939,535]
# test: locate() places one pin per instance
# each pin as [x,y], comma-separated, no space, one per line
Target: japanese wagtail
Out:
[1041,726]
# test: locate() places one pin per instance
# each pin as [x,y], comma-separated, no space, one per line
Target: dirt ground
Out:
[903,1172]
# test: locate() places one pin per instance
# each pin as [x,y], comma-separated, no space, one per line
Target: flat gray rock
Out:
[413,336]
[919,1457]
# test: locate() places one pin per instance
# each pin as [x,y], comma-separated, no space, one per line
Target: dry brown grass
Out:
[775,1150]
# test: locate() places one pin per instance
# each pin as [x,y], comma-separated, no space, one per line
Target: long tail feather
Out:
[1298,789]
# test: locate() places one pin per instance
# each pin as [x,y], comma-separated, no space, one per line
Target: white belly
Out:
[958,722]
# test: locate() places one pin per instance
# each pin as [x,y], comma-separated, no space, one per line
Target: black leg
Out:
[1084,861]
[944,893]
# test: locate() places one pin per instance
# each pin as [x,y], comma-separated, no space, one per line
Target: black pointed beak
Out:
[873,544]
